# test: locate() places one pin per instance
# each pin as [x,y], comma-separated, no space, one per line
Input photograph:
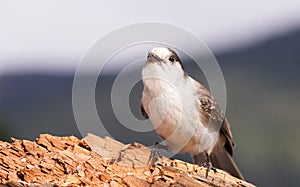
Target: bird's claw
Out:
[154,154]
[120,154]
[209,167]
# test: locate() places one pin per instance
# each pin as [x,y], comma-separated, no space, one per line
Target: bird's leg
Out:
[155,155]
[208,165]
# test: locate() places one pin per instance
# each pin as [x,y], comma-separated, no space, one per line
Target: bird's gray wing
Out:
[211,114]
[225,130]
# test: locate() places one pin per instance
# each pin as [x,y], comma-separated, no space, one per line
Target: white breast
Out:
[172,106]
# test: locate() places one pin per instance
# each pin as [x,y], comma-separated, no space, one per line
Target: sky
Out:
[52,36]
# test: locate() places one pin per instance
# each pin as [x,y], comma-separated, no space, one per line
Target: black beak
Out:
[152,57]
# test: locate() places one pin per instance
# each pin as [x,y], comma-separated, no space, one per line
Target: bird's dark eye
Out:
[171,59]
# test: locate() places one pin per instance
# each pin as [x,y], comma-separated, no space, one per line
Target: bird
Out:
[184,113]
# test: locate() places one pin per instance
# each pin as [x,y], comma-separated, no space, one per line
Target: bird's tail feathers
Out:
[224,161]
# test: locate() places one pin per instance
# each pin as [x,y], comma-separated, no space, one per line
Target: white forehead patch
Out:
[161,52]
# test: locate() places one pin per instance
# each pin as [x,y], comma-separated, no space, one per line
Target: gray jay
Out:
[184,113]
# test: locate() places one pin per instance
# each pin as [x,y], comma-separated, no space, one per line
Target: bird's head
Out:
[166,58]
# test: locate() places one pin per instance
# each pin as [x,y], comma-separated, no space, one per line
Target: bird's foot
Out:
[118,158]
[209,167]
[154,154]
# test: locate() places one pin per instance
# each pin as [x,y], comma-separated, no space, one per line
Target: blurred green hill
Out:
[263,108]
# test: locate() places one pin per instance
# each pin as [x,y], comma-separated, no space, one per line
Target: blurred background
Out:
[257,44]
